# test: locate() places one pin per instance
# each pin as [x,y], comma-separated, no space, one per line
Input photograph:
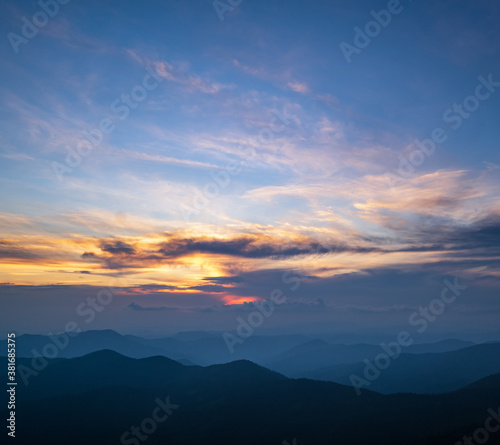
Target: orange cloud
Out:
[235,299]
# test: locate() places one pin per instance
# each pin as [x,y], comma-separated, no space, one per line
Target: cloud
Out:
[10,250]
[260,73]
[89,255]
[137,307]
[117,248]
[149,289]
[483,235]
[168,160]
[180,75]
[155,287]
[299,87]
[250,246]
[215,288]
[224,280]
[207,309]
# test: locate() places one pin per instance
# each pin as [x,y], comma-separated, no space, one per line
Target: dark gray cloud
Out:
[118,254]
[483,235]
[10,250]
[481,238]
[156,287]
[246,247]
[89,256]
[117,248]
[379,299]
[431,234]
[137,307]
[224,280]
[210,288]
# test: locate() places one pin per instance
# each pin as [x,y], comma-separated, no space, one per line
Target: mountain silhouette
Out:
[238,402]
[423,373]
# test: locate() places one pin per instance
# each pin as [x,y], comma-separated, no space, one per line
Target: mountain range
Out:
[239,402]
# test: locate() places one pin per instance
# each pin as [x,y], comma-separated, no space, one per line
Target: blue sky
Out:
[257,149]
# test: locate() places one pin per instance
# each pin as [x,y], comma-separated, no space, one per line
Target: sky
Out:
[176,162]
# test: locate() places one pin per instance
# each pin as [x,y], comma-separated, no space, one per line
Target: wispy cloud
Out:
[299,87]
